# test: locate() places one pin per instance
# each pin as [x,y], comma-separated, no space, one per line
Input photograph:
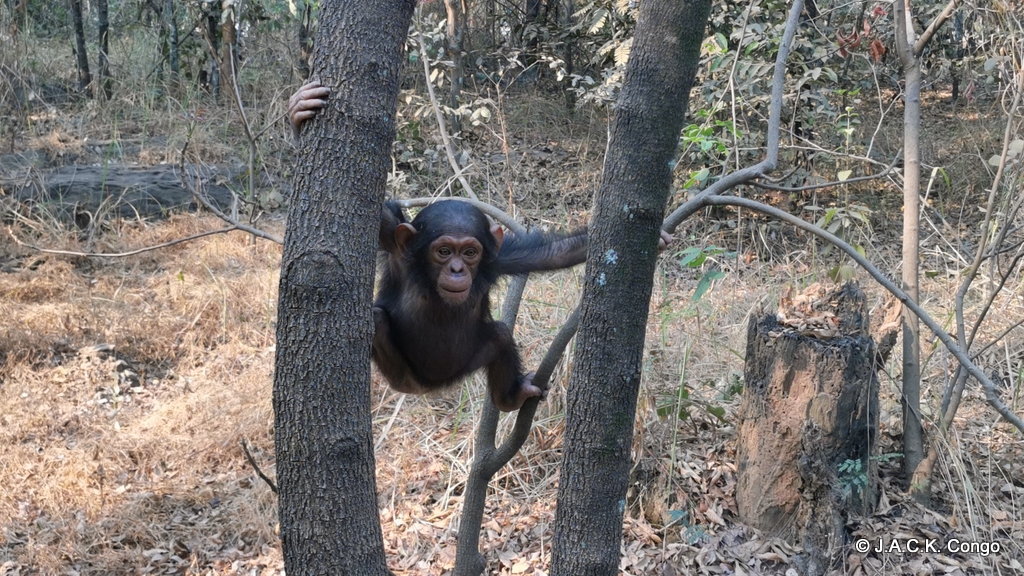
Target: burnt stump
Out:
[807,423]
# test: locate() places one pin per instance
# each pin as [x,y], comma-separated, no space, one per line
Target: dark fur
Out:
[423,343]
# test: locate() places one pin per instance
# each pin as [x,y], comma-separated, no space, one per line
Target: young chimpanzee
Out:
[432,313]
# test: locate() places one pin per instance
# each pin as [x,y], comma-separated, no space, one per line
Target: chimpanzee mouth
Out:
[448,293]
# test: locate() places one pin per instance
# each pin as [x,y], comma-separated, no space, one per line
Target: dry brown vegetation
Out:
[126,385]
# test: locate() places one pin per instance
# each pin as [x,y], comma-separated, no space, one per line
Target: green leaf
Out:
[705,283]
[717,412]
[689,255]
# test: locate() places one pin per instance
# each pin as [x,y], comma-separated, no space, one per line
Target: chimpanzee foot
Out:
[526,391]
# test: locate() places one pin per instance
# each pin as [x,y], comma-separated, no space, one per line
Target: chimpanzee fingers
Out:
[665,241]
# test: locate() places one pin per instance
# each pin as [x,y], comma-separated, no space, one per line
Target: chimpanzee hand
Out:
[304,104]
[665,241]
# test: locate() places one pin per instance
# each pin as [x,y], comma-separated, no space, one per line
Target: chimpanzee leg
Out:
[389,359]
[509,386]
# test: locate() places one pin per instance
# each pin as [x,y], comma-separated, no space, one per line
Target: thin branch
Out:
[441,125]
[937,23]
[259,472]
[766,166]
[119,254]
[1001,335]
[987,384]
[202,199]
[952,395]
[502,217]
[881,174]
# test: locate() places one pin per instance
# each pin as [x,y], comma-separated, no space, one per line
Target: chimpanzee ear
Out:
[499,236]
[403,234]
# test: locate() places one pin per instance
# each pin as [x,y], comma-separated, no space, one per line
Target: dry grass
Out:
[128,461]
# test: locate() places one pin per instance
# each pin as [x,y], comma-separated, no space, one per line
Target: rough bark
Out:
[630,205]
[81,57]
[103,27]
[808,420]
[325,465]
[305,39]
[213,12]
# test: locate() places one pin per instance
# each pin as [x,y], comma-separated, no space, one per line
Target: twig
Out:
[201,198]
[954,391]
[937,23]
[441,125]
[119,254]
[256,467]
[881,174]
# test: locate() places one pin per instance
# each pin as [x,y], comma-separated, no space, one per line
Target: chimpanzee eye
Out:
[444,251]
[471,253]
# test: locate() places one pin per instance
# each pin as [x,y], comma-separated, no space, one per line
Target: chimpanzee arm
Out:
[536,251]
[390,217]
[389,359]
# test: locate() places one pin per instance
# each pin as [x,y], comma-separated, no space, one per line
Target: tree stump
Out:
[808,421]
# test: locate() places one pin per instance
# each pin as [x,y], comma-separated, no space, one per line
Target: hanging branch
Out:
[193,187]
[766,166]
[19,242]
[441,125]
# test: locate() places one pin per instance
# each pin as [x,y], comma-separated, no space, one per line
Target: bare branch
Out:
[441,125]
[256,468]
[881,174]
[503,218]
[202,199]
[766,166]
[937,23]
[119,254]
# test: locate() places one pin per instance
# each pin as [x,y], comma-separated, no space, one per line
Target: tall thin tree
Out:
[322,426]
[81,57]
[103,28]
[624,230]
[910,48]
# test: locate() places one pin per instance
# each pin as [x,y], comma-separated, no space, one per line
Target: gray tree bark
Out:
[913,434]
[103,27]
[624,231]
[322,427]
[81,57]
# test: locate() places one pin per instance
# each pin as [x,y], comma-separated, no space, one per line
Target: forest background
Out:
[128,382]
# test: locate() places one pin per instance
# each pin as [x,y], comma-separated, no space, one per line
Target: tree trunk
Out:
[228,38]
[171,23]
[456,11]
[568,15]
[808,421]
[322,425]
[82,58]
[305,39]
[624,233]
[913,434]
[103,28]
[213,13]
